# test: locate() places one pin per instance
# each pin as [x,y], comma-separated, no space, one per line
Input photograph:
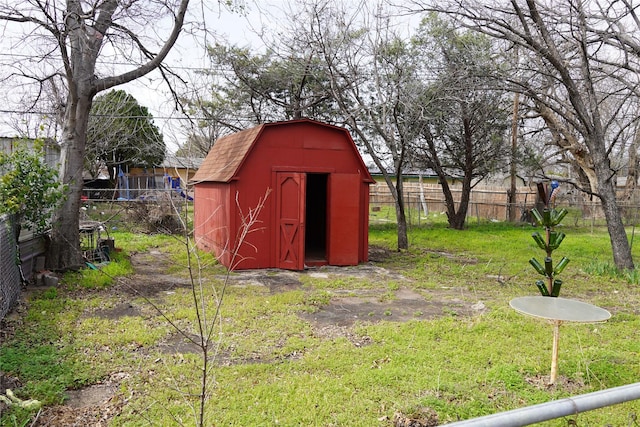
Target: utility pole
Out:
[512,196]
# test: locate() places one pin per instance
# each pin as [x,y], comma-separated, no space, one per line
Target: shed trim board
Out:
[364,213]
[306,170]
[317,212]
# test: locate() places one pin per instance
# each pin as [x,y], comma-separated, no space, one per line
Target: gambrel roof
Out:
[228,153]
[226,156]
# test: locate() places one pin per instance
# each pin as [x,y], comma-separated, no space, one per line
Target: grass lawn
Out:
[272,366]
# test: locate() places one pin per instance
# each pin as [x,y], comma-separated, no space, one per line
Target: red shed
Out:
[317,212]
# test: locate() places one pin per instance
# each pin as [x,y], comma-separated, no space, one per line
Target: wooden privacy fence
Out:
[485,202]
[491,203]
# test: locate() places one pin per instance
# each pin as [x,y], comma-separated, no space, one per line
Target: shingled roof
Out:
[226,156]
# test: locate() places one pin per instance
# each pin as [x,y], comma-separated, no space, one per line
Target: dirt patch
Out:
[348,306]
[424,417]
[91,406]
[562,383]
[178,343]
[378,253]
[94,395]
[150,277]
[273,279]
[120,310]
[403,305]
[369,271]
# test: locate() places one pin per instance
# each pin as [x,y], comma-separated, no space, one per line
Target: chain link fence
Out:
[10,273]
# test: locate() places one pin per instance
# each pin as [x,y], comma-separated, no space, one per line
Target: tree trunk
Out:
[457,219]
[512,197]
[461,215]
[617,233]
[64,250]
[632,168]
[607,194]
[449,202]
[401,217]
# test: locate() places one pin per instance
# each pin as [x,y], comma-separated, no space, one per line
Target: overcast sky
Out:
[239,27]
[235,27]
[186,59]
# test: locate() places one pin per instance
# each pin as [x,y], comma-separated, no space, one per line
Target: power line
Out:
[43,113]
[217,67]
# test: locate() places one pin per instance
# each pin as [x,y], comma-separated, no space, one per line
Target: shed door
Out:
[344,218]
[290,197]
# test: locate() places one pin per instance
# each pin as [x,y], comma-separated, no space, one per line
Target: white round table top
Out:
[555,308]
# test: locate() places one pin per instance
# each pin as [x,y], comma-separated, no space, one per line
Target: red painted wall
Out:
[305,147]
[211,218]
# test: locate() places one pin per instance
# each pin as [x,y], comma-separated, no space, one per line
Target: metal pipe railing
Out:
[555,409]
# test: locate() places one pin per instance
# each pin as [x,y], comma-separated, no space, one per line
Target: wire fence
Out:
[584,215]
[423,204]
[427,204]
[30,248]
[139,189]
[10,280]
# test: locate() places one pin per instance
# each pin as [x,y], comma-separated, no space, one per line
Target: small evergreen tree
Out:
[121,132]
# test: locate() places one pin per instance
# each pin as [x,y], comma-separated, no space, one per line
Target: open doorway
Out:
[315,237]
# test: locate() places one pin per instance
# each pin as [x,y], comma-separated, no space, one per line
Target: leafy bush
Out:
[29,188]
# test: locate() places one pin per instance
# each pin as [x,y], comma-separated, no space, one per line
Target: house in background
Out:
[183,168]
[317,212]
[172,174]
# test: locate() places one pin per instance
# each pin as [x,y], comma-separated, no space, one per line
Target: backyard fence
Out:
[31,247]
[485,202]
[424,202]
[10,277]
[135,187]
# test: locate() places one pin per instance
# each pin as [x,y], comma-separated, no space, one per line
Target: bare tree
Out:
[462,118]
[372,78]
[286,82]
[199,142]
[70,37]
[47,121]
[571,79]
[207,301]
